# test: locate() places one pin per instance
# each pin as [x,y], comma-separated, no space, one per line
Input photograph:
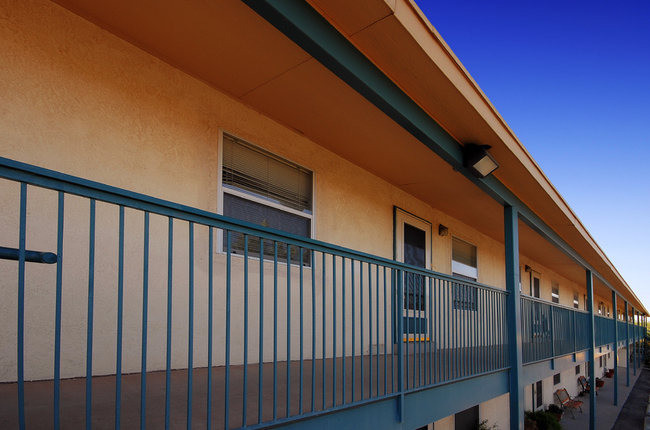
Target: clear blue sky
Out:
[572,79]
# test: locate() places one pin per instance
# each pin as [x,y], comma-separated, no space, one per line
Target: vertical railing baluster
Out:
[302,348]
[353,325]
[343,318]
[57,312]
[120,298]
[323,285]
[145,307]
[275,330]
[385,339]
[313,329]
[288,392]
[377,324]
[226,414]
[208,406]
[333,330]
[407,291]
[369,330]
[417,326]
[361,327]
[168,359]
[245,387]
[89,326]
[400,343]
[190,325]
[260,358]
[20,329]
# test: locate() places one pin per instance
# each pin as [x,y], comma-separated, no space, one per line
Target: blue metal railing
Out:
[301,326]
[551,330]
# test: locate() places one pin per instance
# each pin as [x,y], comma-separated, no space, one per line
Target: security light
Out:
[480,162]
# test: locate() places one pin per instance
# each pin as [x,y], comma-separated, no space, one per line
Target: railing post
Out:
[400,345]
[634,339]
[615,347]
[513,315]
[592,351]
[573,314]
[552,338]
[627,346]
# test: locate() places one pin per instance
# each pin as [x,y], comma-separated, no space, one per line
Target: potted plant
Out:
[543,421]
[555,410]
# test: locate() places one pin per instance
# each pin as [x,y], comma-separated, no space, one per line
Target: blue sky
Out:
[572,79]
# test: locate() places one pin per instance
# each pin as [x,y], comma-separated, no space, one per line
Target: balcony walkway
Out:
[606,412]
[39,404]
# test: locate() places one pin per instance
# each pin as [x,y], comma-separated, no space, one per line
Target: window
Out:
[576,300]
[535,287]
[539,400]
[261,188]
[556,379]
[555,293]
[578,369]
[464,266]
[600,361]
[467,419]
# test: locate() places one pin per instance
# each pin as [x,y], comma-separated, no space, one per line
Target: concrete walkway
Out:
[606,412]
[632,415]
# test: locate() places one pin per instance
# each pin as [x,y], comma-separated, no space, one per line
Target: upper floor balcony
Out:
[146,311]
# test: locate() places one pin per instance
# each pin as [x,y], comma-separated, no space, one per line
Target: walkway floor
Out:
[632,415]
[606,412]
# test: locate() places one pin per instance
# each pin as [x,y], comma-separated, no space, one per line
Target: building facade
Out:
[249,214]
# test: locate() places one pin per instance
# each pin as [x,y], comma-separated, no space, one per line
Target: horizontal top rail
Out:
[46,178]
[557,305]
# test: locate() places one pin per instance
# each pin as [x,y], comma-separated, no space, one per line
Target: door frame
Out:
[401,217]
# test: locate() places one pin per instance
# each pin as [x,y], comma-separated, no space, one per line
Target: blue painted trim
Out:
[45,178]
[592,350]
[89,325]
[513,314]
[57,317]
[20,326]
[313,33]
[614,306]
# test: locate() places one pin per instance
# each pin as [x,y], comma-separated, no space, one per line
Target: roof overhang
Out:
[230,47]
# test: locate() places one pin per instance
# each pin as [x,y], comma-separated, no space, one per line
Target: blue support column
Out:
[513,313]
[615,347]
[592,352]
[634,336]
[627,346]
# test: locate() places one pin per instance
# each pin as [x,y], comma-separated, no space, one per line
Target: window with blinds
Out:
[463,265]
[463,259]
[266,176]
[264,189]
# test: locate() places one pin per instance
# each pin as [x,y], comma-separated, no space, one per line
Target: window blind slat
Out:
[253,170]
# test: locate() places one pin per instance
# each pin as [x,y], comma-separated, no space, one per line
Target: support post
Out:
[592,351]
[634,330]
[615,347]
[511,227]
[627,346]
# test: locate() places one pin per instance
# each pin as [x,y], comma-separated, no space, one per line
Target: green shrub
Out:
[544,420]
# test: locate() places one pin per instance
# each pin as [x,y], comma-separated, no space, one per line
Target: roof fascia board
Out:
[301,23]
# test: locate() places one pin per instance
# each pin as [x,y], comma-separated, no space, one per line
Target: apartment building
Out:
[291,214]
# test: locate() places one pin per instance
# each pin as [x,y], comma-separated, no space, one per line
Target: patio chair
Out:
[566,402]
[584,384]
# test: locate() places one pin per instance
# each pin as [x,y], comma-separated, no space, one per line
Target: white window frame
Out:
[461,268]
[555,286]
[403,217]
[222,189]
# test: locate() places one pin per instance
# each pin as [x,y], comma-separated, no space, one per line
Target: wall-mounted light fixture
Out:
[478,160]
[442,230]
[527,268]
